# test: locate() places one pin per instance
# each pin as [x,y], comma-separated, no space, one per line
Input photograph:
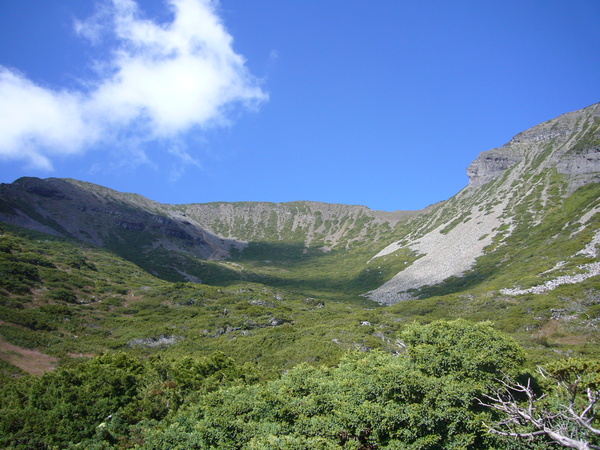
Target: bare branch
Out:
[567,428]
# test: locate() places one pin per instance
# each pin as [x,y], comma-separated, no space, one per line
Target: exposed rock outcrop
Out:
[491,165]
[571,143]
[501,181]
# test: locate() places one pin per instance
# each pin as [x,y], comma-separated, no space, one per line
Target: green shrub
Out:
[370,400]
[62,295]
[17,277]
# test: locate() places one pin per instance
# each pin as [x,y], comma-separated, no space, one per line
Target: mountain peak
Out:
[511,188]
[570,142]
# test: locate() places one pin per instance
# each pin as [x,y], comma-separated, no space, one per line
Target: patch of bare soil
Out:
[555,331]
[33,362]
[548,329]
[574,340]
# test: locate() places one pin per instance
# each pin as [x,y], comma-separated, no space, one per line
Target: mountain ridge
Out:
[511,188]
[501,181]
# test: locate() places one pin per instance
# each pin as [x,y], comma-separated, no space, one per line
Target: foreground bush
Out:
[73,404]
[426,398]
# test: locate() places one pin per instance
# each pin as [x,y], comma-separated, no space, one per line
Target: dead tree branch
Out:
[568,421]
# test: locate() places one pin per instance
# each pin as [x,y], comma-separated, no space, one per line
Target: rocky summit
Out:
[511,187]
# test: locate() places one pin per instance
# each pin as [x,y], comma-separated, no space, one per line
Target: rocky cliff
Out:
[512,186]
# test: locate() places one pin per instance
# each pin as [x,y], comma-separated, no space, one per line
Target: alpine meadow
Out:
[474,323]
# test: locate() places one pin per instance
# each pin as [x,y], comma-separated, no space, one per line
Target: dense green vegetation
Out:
[427,398]
[146,363]
[82,300]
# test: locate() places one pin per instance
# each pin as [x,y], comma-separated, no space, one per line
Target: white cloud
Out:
[162,80]
[36,123]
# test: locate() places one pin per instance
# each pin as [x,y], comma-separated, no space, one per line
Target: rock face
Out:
[582,166]
[570,142]
[503,183]
[491,165]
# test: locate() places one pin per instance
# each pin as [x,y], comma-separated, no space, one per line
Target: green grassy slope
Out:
[66,299]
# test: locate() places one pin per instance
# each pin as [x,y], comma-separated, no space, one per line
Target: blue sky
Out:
[382,103]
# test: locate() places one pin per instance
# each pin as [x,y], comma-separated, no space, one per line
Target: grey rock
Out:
[491,165]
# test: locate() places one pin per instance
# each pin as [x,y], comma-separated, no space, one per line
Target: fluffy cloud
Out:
[162,80]
[36,123]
